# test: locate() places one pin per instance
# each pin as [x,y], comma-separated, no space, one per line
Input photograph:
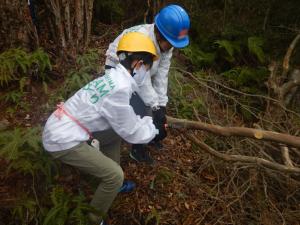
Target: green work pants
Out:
[103,164]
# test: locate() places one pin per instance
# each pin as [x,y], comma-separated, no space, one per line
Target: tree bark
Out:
[89,14]
[16,26]
[72,24]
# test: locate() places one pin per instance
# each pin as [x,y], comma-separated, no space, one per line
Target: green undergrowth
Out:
[43,200]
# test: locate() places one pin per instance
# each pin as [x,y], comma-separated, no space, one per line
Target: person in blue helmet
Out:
[169,31]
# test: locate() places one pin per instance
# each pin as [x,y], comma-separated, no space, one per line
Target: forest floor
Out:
[183,187]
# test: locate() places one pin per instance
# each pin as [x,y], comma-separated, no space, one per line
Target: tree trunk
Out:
[65,23]
[16,26]
[72,24]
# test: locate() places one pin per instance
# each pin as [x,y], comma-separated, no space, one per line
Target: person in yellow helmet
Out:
[86,130]
[169,30]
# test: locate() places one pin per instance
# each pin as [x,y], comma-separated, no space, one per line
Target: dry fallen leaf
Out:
[186,205]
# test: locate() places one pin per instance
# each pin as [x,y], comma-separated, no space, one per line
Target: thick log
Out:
[235,131]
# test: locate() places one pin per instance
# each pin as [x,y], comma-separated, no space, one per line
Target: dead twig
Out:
[245,159]
[272,84]
[286,156]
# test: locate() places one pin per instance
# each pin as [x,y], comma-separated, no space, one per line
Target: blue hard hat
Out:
[173,22]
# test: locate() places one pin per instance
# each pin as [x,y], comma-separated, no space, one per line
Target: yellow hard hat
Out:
[137,42]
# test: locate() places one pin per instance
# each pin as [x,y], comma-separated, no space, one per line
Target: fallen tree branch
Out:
[244,159]
[235,131]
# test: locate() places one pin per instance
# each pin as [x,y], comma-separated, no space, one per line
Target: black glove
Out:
[162,131]
[159,115]
[159,121]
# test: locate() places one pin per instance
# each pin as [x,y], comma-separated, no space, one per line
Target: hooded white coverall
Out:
[154,88]
[102,106]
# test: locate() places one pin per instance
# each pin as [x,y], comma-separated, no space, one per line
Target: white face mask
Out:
[140,74]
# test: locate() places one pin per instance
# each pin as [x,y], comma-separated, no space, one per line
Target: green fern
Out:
[24,151]
[230,47]
[40,58]
[184,97]
[15,99]
[242,77]
[255,45]
[58,214]
[11,61]
[197,56]
[76,80]
[90,59]
[12,97]
[87,64]
[78,214]
[22,83]
[16,64]
[67,209]
[25,210]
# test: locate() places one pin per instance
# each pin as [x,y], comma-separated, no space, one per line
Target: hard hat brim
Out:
[179,43]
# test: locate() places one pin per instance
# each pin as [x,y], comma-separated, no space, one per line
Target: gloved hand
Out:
[159,115]
[159,120]
[162,131]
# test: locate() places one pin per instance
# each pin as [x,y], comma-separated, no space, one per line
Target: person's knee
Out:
[116,177]
[119,177]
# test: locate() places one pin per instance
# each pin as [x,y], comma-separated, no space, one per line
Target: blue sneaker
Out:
[127,186]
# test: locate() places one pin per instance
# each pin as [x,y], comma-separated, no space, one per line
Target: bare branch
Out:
[147,11]
[286,87]
[235,131]
[199,79]
[272,82]
[286,156]
[289,89]
[266,19]
[272,85]
[244,159]
[286,60]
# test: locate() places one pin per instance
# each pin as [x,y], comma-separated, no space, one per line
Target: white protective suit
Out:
[102,104]
[153,91]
